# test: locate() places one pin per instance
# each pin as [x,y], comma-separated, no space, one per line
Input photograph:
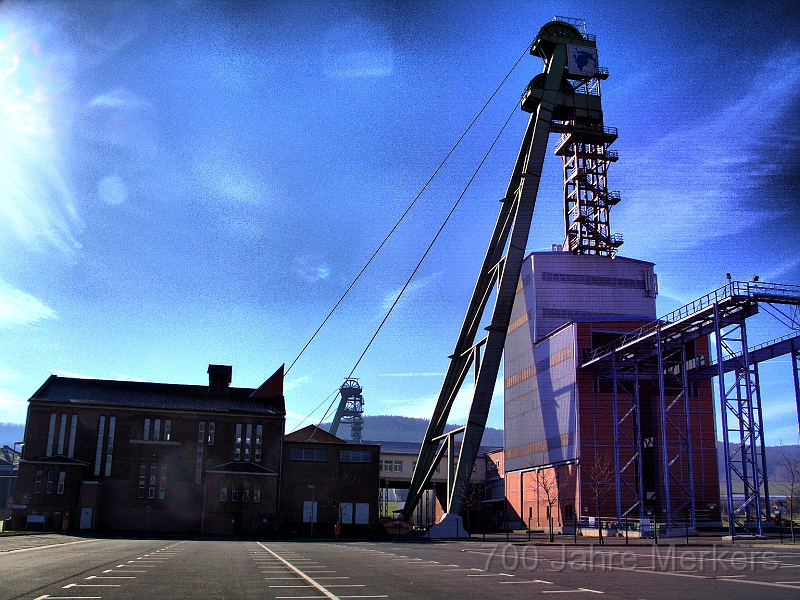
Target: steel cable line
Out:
[419,264]
[433,241]
[403,216]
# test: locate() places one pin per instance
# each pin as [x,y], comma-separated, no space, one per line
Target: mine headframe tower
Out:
[565,99]
[350,410]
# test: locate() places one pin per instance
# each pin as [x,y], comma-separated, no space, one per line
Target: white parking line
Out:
[68,597]
[72,585]
[48,546]
[318,586]
[578,591]
[525,581]
[111,577]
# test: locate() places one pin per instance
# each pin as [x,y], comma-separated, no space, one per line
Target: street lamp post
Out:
[10,475]
[311,517]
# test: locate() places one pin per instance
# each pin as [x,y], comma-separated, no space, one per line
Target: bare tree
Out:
[550,487]
[598,475]
[790,464]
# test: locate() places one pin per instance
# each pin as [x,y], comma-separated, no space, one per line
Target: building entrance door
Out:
[86,518]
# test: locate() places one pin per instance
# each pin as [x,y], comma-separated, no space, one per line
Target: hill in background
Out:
[394,428]
[776,470]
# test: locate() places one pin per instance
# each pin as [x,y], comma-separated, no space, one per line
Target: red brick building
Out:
[139,456]
[345,479]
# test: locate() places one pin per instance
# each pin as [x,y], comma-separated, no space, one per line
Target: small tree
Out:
[790,463]
[550,487]
[598,476]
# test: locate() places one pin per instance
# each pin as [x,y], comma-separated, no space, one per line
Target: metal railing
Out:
[752,290]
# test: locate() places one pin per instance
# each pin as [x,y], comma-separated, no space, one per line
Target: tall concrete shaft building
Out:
[571,442]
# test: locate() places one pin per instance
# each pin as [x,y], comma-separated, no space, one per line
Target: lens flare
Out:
[36,200]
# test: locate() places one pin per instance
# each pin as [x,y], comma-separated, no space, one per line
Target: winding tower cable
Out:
[405,213]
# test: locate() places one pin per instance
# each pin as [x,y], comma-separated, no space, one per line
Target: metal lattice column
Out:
[677,495]
[796,372]
[627,438]
[744,456]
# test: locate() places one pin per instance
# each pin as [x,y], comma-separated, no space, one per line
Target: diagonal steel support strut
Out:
[547,93]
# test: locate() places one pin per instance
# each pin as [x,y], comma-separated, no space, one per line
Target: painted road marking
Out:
[492,575]
[72,585]
[578,591]
[68,597]
[528,581]
[320,588]
[111,577]
[48,546]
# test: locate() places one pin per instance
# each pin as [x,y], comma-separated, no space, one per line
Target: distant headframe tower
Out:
[351,409]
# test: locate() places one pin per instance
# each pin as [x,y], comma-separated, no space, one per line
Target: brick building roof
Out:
[140,394]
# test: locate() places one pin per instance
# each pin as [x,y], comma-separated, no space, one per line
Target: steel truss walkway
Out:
[657,352]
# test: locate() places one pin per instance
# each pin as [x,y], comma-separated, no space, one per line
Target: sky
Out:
[185,183]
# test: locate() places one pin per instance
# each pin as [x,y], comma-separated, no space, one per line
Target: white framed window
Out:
[48,488]
[112,423]
[259,434]
[37,485]
[246,493]
[50,435]
[62,432]
[151,491]
[223,491]
[62,477]
[146,432]
[162,488]
[167,430]
[73,428]
[316,454]
[234,493]
[201,436]
[237,451]
[248,438]
[359,456]
[256,493]
[157,429]
[142,478]
[211,431]
[98,457]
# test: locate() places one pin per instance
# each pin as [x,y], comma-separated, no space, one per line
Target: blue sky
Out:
[198,182]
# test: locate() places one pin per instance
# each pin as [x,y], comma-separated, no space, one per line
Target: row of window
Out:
[150,482]
[48,488]
[55,446]
[235,492]
[157,433]
[321,455]
[247,443]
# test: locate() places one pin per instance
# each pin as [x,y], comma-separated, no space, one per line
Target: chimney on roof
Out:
[219,379]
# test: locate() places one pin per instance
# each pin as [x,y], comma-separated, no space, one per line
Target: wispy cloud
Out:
[20,308]
[360,65]
[413,288]
[699,181]
[295,383]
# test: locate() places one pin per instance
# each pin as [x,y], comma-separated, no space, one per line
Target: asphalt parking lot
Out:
[63,567]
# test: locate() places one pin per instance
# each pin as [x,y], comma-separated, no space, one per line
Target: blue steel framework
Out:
[722,313]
